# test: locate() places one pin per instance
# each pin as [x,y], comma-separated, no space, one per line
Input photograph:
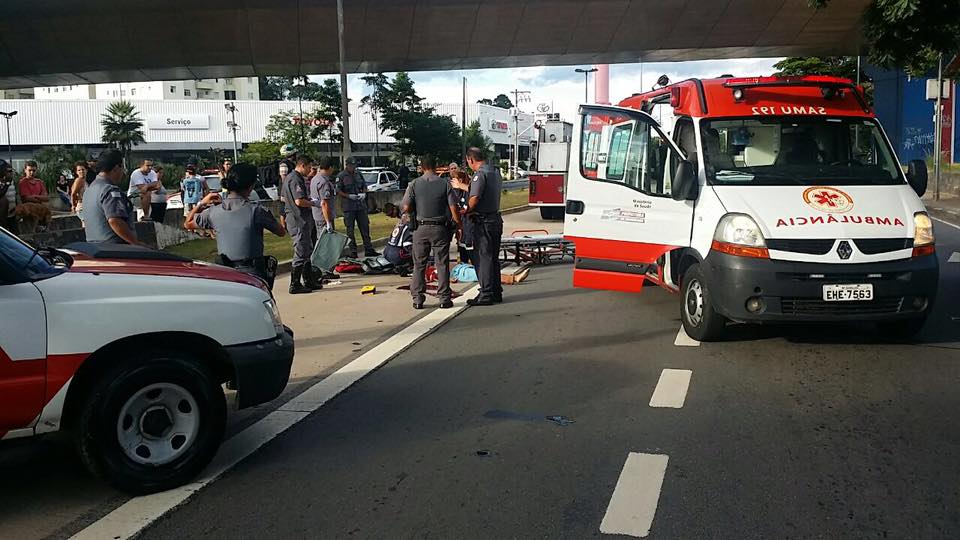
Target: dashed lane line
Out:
[132,517]
[683,340]
[671,390]
[954,258]
[947,223]
[634,501]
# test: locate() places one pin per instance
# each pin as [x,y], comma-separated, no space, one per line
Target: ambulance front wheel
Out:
[152,423]
[700,319]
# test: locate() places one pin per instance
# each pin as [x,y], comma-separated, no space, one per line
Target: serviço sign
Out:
[178,121]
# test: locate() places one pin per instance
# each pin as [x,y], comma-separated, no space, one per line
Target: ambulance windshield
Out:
[781,151]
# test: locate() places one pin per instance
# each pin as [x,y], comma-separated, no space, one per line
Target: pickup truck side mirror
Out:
[917,176]
[685,186]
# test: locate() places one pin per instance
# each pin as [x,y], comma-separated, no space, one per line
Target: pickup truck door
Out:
[23,355]
[620,213]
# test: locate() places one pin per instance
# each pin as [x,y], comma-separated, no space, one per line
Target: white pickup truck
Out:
[128,349]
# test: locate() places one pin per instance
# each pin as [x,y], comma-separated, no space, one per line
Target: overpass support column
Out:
[344,100]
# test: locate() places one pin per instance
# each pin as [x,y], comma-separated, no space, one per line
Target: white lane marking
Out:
[955,258]
[683,340]
[136,514]
[671,389]
[634,500]
[945,222]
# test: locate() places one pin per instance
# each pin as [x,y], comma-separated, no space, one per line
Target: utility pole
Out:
[463,126]
[938,126]
[344,101]
[232,124]
[518,96]
[8,116]
[586,81]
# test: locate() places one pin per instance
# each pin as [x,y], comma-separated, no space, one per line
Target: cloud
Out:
[561,86]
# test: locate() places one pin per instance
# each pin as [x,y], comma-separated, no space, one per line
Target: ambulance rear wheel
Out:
[700,319]
[152,423]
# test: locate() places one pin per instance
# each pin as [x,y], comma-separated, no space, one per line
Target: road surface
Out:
[805,432]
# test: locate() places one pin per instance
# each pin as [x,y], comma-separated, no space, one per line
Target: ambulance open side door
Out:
[623,211]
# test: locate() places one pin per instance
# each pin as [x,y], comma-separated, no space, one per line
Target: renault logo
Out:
[844,250]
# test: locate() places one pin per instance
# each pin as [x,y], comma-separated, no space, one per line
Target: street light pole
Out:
[232,124]
[586,81]
[8,116]
[938,125]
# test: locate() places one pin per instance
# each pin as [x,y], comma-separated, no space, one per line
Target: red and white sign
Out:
[497,125]
[828,199]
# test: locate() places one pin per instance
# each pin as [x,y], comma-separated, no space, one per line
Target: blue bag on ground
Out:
[463,273]
[327,252]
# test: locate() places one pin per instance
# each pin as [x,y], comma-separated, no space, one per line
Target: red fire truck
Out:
[548,176]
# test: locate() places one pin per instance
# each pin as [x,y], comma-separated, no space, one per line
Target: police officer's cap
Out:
[351,161]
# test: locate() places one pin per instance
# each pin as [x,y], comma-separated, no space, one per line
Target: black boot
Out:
[295,286]
[311,278]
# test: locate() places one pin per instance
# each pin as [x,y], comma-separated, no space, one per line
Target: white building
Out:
[176,129]
[230,89]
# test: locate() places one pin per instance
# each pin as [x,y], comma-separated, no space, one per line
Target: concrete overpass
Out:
[61,42]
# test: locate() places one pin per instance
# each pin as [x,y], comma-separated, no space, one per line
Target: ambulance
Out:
[770,200]
[127,349]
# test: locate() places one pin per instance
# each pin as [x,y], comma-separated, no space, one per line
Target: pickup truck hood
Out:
[194,269]
[790,212]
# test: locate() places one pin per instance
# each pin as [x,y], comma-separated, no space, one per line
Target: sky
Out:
[561,86]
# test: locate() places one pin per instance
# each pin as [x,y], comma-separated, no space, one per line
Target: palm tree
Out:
[122,126]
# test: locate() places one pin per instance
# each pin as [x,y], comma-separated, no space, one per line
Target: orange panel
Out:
[607,281]
[618,250]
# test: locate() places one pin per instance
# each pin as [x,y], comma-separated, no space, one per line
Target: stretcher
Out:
[523,246]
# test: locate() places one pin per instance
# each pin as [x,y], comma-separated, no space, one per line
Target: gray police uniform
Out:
[431,197]
[355,212]
[299,220]
[486,184]
[103,201]
[321,189]
[239,223]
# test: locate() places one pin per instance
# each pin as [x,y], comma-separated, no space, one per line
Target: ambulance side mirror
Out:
[917,176]
[685,186]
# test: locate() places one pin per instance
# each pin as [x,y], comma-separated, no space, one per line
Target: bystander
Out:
[32,189]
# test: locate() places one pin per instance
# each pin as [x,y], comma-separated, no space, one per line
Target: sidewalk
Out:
[947,208]
[337,324]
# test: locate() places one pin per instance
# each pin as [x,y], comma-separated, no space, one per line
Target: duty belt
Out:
[432,221]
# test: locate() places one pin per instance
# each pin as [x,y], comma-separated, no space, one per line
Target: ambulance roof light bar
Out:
[829,86]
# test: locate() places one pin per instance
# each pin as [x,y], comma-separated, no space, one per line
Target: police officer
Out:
[323,196]
[433,202]
[299,221]
[108,214]
[352,188]
[483,206]
[239,223]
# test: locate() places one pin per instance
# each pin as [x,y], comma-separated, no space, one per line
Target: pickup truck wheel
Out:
[152,423]
[700,320]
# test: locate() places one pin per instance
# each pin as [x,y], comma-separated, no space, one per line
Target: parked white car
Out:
[380,179]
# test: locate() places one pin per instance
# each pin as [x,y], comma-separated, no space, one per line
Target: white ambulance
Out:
[773,200]
[127,349]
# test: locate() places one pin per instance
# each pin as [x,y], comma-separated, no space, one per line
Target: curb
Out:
[284,267]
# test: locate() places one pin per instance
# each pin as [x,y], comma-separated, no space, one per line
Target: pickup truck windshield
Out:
[786,151]
[18,258]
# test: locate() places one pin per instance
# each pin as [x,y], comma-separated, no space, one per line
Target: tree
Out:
[329,113]
[430,133]
[259,153]
[502,101]
[122,126]
[909,34]
[52,160]
[475,137]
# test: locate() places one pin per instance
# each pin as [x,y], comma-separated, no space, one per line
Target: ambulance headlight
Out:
[739,229]
[922,229]
[273,314]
